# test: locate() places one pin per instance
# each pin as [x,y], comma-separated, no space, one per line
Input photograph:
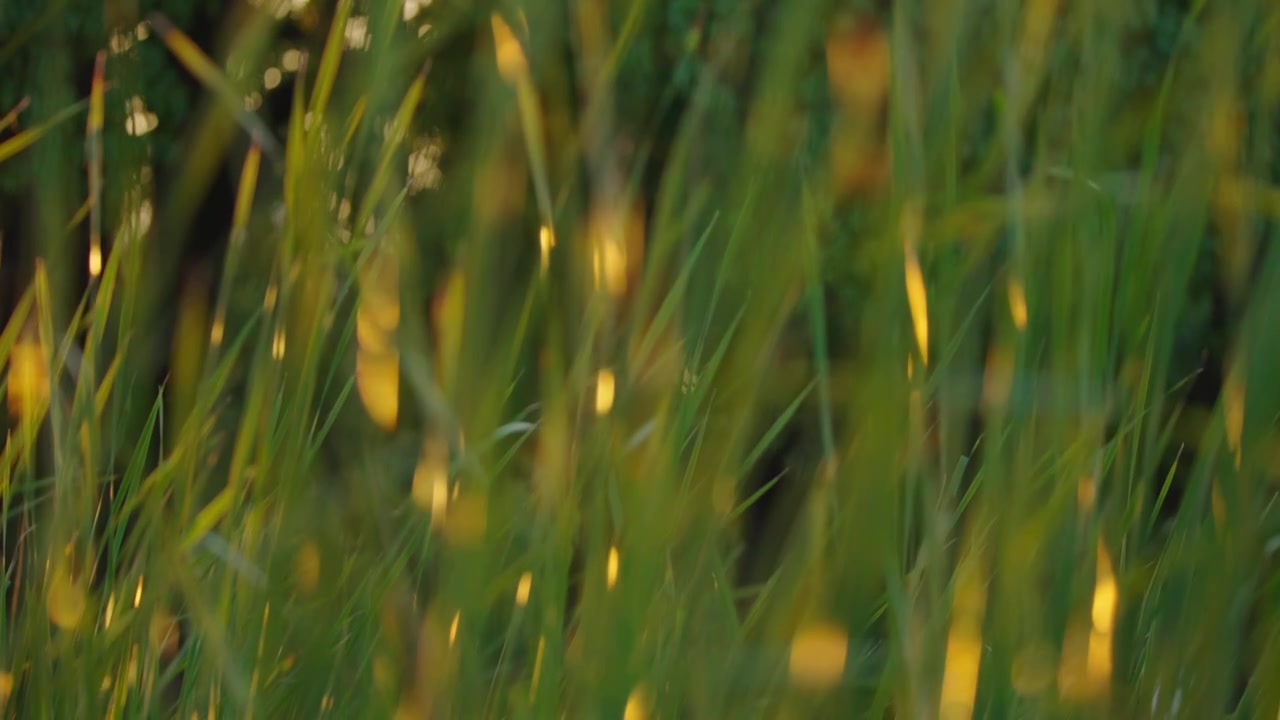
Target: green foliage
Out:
[554,368]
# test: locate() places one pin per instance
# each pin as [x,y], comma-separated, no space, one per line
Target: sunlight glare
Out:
[95,260]
[546,241]
[523,588]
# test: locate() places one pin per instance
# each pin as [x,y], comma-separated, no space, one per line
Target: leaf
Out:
[27,138]
[330,58]
[207,72]
[11,117]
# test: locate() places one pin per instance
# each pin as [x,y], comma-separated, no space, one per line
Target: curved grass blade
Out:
[27,138]
[93,137]
[11,117]
[207,72]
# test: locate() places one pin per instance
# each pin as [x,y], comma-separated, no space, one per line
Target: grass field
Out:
[538,407]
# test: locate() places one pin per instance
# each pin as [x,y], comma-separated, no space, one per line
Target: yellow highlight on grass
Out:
[604,391]
[638,704]
[611,266]
[448,315]
[431,481]
[964,644]
[511,61]
[109,612]
[279,342]
[378,381]
[546,241]
[1085,669]
[523,588]
[28,384]
[1017,303]
[219,328]
[65,602]
[1104,595]
[93,132]
[616,230]
[960,681]
[1098,667]
[611,568]
[6,687]
[95,260]
[818,655]
[911,225]
[537,666]
[377,359]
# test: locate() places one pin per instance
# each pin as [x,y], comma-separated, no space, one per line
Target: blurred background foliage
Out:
[674,108]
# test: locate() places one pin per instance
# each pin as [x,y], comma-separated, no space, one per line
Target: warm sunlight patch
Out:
[1017,303]
[604,391]
[27,388]
[818,655]
[911,227]
[523,588]
[638,705]
[377,356]
[431,481]
[546,241]
[95,260]
[964,642]
[510,56]
[65,601]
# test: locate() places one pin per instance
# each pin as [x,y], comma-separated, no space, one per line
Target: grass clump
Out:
[604,359]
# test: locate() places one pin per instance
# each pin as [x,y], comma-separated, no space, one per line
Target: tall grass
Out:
[476,414]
